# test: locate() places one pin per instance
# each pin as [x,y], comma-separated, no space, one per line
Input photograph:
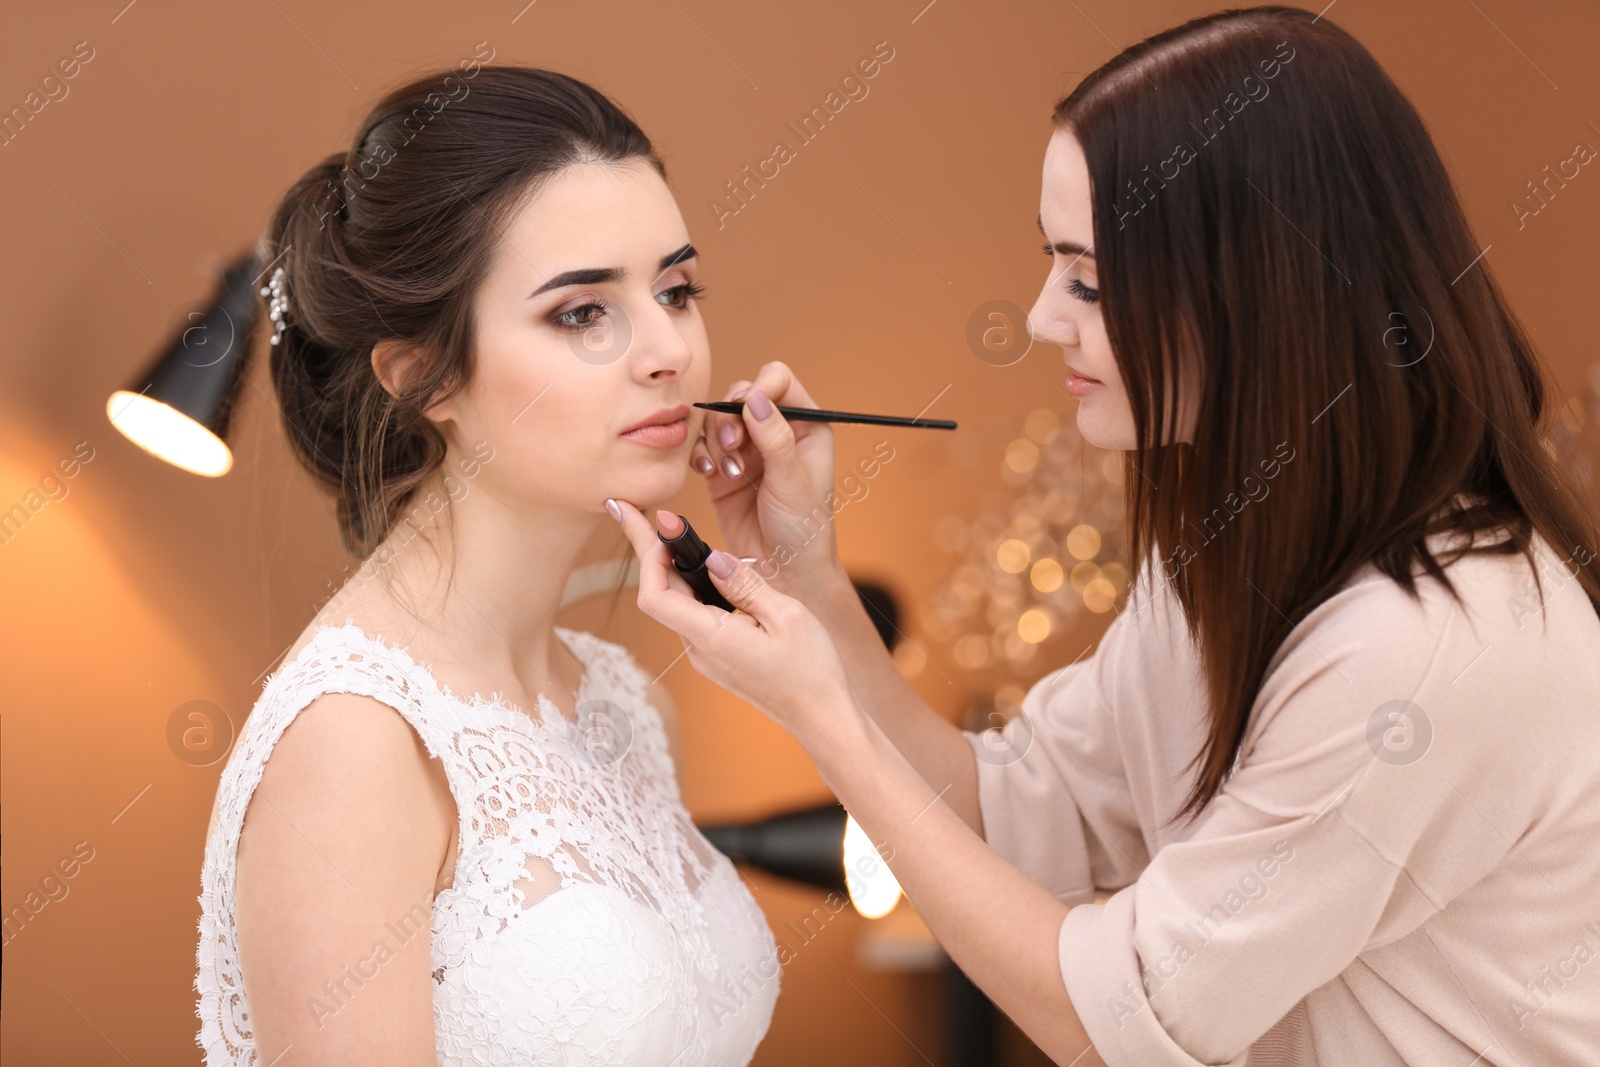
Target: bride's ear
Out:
[394,362]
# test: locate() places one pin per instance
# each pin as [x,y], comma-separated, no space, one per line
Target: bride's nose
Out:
[660,349]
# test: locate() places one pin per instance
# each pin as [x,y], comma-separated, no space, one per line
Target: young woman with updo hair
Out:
[468,844]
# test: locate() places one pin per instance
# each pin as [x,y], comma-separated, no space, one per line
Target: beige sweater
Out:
[1403,868]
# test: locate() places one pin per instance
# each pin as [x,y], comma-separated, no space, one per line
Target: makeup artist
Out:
[1328,791]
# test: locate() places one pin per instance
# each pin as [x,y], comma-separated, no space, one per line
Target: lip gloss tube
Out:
[689,555]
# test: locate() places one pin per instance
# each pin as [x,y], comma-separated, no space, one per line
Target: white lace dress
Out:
[588,921]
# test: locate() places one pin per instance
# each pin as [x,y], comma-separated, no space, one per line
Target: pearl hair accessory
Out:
[278,305]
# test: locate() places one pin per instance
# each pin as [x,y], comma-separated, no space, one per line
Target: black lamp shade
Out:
[180,409]
[803,846]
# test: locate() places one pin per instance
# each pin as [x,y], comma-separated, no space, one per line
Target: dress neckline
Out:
[328,632]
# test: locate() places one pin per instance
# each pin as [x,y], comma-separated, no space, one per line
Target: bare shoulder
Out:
[344,836]
[350,747]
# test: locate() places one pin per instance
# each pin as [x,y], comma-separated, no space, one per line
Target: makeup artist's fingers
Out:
[747,591]
[796,665]
[774,437]
[700,455]
[726,437]
[780,385]
[723,434]
[673,606]
[778,381]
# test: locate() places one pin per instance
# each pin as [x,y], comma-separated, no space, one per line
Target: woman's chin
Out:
[644,487]
[1093,428]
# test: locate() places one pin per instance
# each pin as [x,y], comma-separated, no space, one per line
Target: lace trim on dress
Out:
[538,810]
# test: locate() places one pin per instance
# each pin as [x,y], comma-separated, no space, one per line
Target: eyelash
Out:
[1075,287]
[566,320]
[689,290]
[1083,292]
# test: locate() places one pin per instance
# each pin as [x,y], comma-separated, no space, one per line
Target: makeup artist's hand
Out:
[776,491]
[772,652]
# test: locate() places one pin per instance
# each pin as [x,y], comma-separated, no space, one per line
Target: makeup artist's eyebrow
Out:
[1066,248]
[599,275]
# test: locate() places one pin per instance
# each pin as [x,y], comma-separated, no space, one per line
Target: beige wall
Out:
[859,265]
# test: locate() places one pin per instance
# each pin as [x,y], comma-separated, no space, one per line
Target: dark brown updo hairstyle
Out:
[390,241]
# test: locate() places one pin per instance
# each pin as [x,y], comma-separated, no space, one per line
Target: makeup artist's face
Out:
[586,326]
[1067,312]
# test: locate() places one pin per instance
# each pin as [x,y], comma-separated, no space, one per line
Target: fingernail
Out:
[721,564]
[730,467]
[740,394]
[611,506]
[727,435]
[759,405]
[704,465]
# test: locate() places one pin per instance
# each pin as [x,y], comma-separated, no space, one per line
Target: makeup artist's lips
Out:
[667,428]
[1081,385]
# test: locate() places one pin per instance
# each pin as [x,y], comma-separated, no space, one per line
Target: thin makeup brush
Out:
[734,407]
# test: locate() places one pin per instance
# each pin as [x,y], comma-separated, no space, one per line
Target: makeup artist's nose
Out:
[1051,328]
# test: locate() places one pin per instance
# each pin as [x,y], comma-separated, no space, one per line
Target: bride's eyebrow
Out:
[599,275]
[673,259]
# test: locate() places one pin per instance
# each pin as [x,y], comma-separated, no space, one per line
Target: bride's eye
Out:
[581,317]
[679,296]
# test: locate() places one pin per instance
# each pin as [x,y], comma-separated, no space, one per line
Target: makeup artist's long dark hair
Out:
[1306,252]
[389,240]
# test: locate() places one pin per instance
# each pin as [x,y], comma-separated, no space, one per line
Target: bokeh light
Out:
[1083,542]
[1012,556]
[1047,575]
[1034,626]
[1099,596]
[1022,455]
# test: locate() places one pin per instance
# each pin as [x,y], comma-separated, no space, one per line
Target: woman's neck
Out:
[479,581]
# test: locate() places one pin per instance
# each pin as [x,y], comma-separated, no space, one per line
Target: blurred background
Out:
[888,263]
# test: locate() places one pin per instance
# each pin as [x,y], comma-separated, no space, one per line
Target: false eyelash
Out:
[1083,292]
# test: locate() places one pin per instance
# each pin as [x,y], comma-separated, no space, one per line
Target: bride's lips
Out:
[1081,385]
[667,428]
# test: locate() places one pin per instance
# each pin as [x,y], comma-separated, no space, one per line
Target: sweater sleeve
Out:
[1052,789]
[1361,807]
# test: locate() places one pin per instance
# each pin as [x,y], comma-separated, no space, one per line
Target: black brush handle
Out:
[734,407]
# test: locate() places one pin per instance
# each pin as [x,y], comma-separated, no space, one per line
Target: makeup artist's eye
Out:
[681,295]
[581,317]
[1083,292]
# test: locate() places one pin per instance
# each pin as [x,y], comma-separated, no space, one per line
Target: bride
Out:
[468,845]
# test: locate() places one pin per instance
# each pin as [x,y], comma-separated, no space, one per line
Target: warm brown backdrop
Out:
[859,264]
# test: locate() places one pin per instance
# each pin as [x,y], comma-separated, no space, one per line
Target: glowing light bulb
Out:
[874,890]
[169,434]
